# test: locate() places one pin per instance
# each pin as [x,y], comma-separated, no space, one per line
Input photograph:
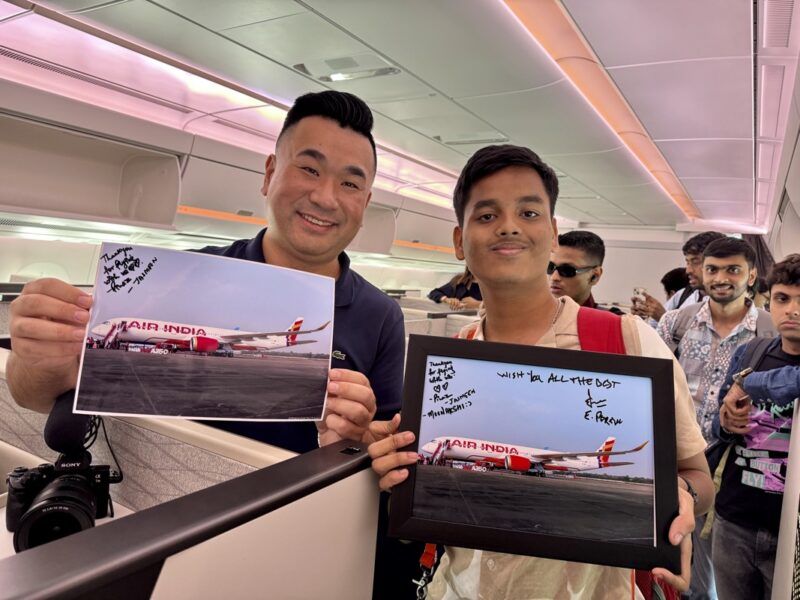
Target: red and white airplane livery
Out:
[520,458]
[196,338]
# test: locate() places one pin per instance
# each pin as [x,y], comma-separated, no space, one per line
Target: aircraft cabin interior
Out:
[148,122]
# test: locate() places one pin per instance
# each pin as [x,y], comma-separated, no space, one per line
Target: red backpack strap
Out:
[600,331]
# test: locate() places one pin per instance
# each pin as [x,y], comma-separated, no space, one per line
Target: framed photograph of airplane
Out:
[539,451]
[184,334]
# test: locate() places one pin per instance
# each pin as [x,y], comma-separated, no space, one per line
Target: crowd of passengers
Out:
[735,365]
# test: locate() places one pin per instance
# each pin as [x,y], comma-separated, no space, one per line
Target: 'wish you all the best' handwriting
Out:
[584,380]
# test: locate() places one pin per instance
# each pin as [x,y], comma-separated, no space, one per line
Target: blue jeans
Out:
[702,584]
[744,561]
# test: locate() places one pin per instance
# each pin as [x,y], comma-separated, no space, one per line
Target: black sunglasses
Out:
[566,270]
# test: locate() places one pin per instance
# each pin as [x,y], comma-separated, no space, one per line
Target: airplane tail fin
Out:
[608,446]
[291,340]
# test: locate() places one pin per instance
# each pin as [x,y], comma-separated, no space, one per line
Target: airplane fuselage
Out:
[507,455]
[146,331]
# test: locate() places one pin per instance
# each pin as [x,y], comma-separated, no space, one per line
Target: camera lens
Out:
[64,506]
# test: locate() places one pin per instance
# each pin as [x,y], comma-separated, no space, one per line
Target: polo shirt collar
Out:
[345,290]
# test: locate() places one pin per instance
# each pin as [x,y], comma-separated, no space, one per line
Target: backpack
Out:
[764,326]
[717,453]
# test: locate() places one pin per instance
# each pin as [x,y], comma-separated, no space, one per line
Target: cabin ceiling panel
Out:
[726,211]
[613,168]
[405,139]
[463,48]
[218,15]
[297,39]
[656,215]
[161,28]
[625,32]
[730,190]
[569,187]
[458,126]
[565,209]
[701,99]
[646,194]
[389,88]
[432,105]
[597,206]
[709,158]
[551,120]
[73,5]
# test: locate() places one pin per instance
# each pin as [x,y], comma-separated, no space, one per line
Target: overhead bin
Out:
[52,171]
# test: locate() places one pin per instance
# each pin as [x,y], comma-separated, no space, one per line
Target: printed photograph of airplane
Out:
[537,449]
[191,335]
[166,336]
[486,456]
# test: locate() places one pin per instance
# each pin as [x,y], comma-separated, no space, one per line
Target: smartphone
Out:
[638,294]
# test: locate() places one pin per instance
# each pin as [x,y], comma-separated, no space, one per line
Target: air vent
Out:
[71,73]
[12,223]
[777,23]
[468,139]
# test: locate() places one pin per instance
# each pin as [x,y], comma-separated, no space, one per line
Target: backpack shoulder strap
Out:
[687,291]
[681,324]
[600,331]
[754,351]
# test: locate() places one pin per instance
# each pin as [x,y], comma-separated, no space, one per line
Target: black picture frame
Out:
[405,524]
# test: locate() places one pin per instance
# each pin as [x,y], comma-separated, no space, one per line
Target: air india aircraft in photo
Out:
[196,338]
[493,455]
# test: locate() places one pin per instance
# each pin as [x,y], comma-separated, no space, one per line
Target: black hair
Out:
[675,280]
[760,285]
[697,243]
[786,272]
[349,111]
[591,243]
[490,160]
[730,246]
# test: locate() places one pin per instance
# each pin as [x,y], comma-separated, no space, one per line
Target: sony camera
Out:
[49,502]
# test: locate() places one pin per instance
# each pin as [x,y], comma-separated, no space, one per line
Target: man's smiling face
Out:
[317,188]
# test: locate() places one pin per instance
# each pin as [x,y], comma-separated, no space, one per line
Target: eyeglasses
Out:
[566,270]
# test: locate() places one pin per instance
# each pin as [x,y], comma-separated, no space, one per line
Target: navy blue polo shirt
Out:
[368,336]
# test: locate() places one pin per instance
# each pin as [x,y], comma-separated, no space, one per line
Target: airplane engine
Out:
[517,463]
[201,343]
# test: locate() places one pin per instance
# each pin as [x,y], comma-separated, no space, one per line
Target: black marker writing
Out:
[124,270]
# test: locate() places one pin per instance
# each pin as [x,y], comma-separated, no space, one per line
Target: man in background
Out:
[576,266]
[755,416]
[674,281]
[704,337]
[693,250]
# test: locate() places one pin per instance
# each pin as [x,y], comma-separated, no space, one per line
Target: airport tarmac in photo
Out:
[192,385]
[608,510]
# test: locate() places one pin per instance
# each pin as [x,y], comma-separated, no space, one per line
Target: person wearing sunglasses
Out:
[576,266]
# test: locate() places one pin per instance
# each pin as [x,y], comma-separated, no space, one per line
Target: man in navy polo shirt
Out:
[317,186]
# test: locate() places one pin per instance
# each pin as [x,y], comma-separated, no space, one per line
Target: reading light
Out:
[311,71]
[555,32]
